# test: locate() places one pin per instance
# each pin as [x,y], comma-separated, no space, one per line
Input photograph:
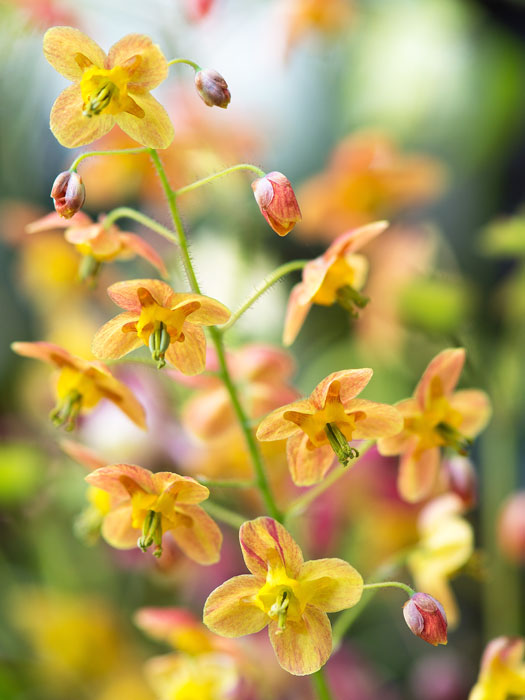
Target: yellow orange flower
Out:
[326,16]
[107,90]
[205,677]
[166,322]
[96,243]
[336,276]
[289,595]
[81,384]
[326,422]
[445,545]
[145,506]
[435,417]
[502,673]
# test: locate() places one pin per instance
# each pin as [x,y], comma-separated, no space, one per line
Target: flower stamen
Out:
[454,439]
[339,444]
[348,298]
[151,533]
[159,342]
[67,410]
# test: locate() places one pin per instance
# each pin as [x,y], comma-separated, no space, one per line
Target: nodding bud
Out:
[68,193]
[426,618]
[212,88]
[276,199]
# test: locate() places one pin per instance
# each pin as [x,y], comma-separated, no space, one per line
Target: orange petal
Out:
[66,47]
[198,535]
[354,240]
[265,537]
[229,610]
[209,414]
[418,474]
[52,221]
[110,341]
[184,488]
[296,312]
[351,382]
[70,127]
[397,444]
[441,375]
[475,408]
[189,356]
[83,455]
[307,467]
[121,395]
[138,246]
[314,273]
[209,313]
[276,427]
[125,294]
[380,420]
[149,71]
[331,584]
[303,646]
[117,529]
[154,129]
[48,352]
[122,480]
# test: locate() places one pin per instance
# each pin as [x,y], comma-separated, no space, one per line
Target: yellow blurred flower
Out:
[502,672]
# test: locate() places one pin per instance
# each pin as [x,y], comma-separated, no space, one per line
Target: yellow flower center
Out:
[281,597]
[437,426]
[195,690]
[104,90]
[72,380]
[314,425]
[340,274]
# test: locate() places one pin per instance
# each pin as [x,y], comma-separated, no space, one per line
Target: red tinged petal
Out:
[189,356]
[276,199]
[208,313]
[276,427]
[264,537]
[230,610]
[307,467]
[296,313]
[53,221]
[122,480]
[111,342]
[125,294]
[83,455]
[303,646]
[183,488]
[441,376]
[197,535]
[49,352]
[426,618]
[351,383]
[375,419]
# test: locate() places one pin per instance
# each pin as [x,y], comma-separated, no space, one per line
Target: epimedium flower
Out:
[324,424]
[165,321]
[144,506]
[107,90]
[435,417]
[282,591]
[426,618]
[337,276]
[81,384]
[502,673]
[98,244]
[276,199]
[210,676]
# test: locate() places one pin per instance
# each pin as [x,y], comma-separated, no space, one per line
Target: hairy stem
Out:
[194,65]
[116,152]
[216,176]
[128,213]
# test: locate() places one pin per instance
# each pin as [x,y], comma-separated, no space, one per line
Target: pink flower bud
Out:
[426,618]
[461,479]
[511,528]
[276,199]
[68,193]
[212,88]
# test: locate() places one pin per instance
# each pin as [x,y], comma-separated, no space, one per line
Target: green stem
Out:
[275,276]
[216,176]
[128,213]
[261,478]
[223,514]
[300,504]
[116,152]
[391,584]
[321,686]
[194,65]
[226,483]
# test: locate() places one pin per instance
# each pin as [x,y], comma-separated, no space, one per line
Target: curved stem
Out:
[128,213]
[321,686]
[269,281]
[223,514]
[226,483]
[116,152]
[216,176]
[194,65]
[261,478]
[391,584]
[300,504]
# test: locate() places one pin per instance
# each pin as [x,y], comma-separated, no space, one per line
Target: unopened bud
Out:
[212,88]
[511,528]
[68,193]
[426,618]
[276,199]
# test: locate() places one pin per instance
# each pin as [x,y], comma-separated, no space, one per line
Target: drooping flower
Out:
[98,244]
[337,276]
[324,424]
[289,595]
[446,542]
[502,673]
[212,88]
[81,384]
[435,417]
[276,199]
[426,618]
[145,506]
[180,677]
[166,322]
[107,90]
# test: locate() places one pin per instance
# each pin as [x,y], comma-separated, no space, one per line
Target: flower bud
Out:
[460,478]
[426,618]
[276,199]
[511,528]
[212,88]
[68,193]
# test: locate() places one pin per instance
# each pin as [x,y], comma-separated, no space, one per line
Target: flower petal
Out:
[152,68]
[117,529]
[110,341]
[380,420]
[475,408]
[351,382]
[441,375]
[49,352]
[154,129]
[119,394]
[397,444]
[209,313]
[331,584]
[83,455]
[124,294]
[198,535]
[307,467]
[276,427]
[184,489]
[303,646]
[54,221]
[417,474]
[264,537]
[296,313]
[229,610]
[189,356]
[122,480]
[70,127]
[354,240]
[65,48]
[140,247]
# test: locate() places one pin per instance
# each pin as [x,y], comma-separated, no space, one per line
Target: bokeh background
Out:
[401,109]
